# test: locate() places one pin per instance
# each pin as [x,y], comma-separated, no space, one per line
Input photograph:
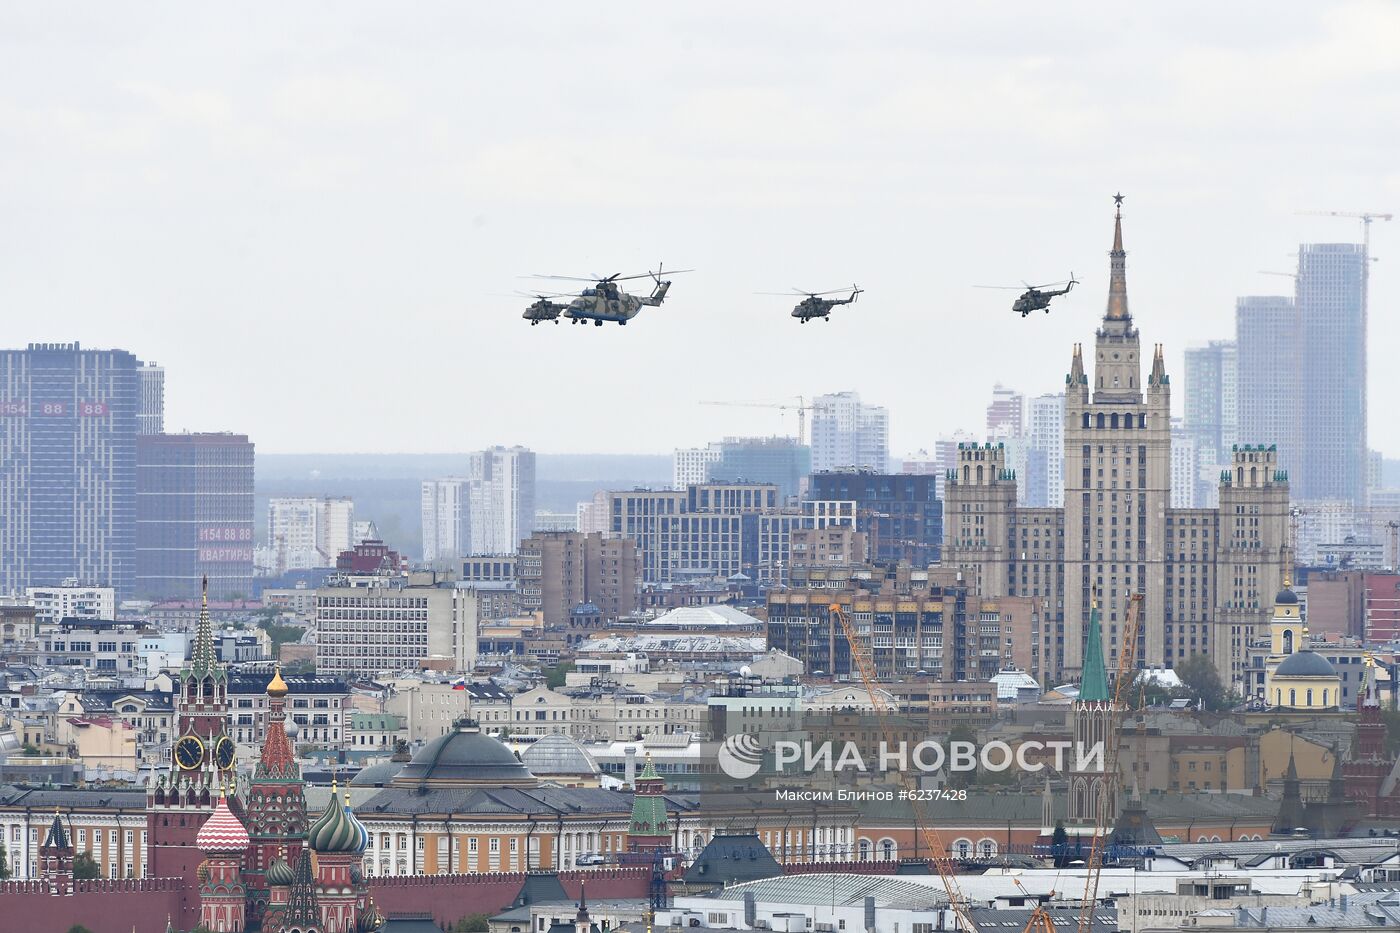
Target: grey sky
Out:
[303,210]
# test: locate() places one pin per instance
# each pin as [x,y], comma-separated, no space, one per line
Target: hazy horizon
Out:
[306,215]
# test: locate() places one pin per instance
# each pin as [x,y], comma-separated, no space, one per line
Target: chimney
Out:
[630,769]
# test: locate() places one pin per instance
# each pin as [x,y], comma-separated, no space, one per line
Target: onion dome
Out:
[337,830]
[222,832]
[1286,596]
[279,872]
[277,687]
[370,918]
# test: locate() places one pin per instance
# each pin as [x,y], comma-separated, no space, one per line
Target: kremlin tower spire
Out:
[276,804]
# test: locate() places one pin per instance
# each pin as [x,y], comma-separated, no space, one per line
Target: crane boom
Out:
[801,408]
[882,711]
[1127,663]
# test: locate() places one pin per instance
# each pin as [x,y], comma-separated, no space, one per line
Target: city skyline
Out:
[372,245]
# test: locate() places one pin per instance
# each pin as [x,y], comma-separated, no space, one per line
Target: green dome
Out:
[279,872]
[337,830]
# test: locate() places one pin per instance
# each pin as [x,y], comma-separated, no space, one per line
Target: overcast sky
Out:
[306,212]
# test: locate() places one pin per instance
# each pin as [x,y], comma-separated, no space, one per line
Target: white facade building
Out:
[849,434]
[1046,416]
[72,601]
[488,511]
[1185,470]
[305,532]
[446,520]
[689,465]
[385,626]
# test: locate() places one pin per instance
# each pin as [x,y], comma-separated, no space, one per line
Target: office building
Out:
[1187,457]
[1206,575]
[899,513]
[560,570]
[306,532]
[848,434]
[690,465]
[1211,403]
[1268,372]
[1332,337]
[780,461]
[194,515]
[68,466]
[378,624]
[1046,431]
[698,533]
[72,600]
[150,404]
[1006,414]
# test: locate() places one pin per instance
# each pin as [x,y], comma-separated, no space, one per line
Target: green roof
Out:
[1094,684]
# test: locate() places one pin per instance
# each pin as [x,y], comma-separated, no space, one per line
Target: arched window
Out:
[1324,697]
[1288,641]
[967,473]
[1113,421]
[864,850]
[1086,419]
[1098,420]
[887,850]
[987,848]
[1310,699]
[964,848]
[979,474]
[1292,697]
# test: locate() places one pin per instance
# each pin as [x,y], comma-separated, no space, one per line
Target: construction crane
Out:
[1364,216]
[1126,666]
[801,408]
[934,843]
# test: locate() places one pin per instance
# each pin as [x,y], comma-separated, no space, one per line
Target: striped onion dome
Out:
[338,830]
[222,832]
[279,872]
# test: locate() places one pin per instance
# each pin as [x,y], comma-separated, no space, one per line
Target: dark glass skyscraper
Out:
[194,515]
[900,513]
[67,466]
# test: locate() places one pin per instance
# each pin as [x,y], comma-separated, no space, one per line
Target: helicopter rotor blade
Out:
[1010,288]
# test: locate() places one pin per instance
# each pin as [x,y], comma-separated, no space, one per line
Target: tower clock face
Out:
[224,753]
[189,752]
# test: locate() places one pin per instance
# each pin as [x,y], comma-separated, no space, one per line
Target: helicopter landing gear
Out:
[621,323]
[597,323]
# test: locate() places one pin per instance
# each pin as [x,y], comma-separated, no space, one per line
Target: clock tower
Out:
[202,760]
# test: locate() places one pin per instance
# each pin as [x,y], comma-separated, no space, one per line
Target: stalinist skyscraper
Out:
[1206,575]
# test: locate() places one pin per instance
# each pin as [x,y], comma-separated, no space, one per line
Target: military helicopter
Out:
[814,305]
[544,309]
[604,301]
[1037,297]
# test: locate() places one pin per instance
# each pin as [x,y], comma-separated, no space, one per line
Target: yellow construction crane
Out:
[932,841]
[1127,665]
[801,408]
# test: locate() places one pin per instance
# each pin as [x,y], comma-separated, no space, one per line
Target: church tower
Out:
[276,805]
[1117,471]
[202,760]
[1093,797]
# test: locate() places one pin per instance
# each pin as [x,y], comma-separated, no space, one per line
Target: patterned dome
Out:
[222,832]
[279,872]
[337,830]
[370,918]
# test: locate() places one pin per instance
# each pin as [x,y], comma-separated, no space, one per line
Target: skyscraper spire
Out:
[1117,269]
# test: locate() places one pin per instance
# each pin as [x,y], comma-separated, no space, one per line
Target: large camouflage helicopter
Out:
[604,301]
[814,305]
[1037,297]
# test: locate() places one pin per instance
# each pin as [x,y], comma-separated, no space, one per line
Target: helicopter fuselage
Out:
[601,305]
